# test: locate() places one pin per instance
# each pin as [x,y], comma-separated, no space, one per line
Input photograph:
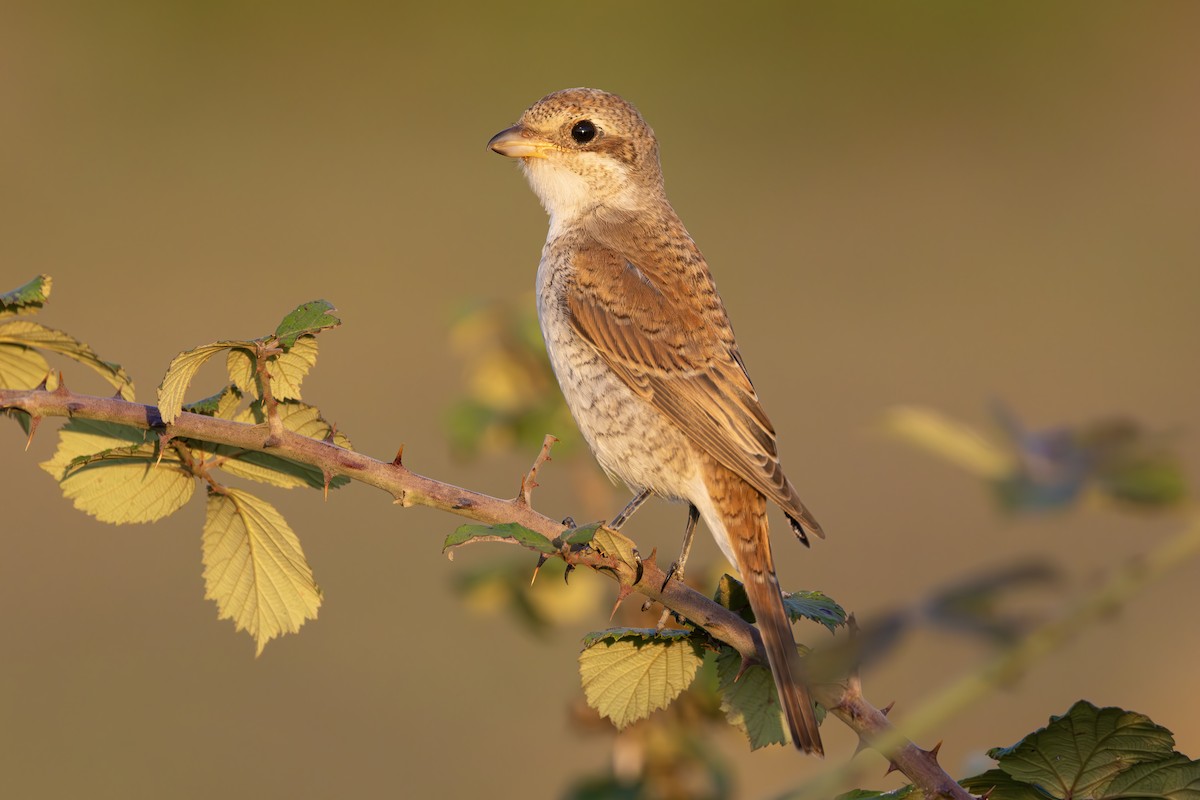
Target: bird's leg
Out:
[627,511]
[676,570]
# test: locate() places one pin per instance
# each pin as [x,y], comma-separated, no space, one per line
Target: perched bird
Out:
[644,352]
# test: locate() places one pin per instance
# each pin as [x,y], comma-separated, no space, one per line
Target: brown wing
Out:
[661,327]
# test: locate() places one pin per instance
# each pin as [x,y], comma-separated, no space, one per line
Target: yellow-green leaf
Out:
[287,369]
[616,545]
[180,373]
[21,367]
[299,418]
[33,334]
[628,679]
[254,568]
[122,483]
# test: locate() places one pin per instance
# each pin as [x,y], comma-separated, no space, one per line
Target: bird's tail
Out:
[744,512]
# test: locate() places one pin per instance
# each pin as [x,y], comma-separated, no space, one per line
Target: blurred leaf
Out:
[254,568]
[27,299]
[180,373]
[1080,753]
[32,334]
[109,471]
[750,701]
[951,440]
[627,679]
[500,585]
[310,318]
[974,604]
[508,530]
[815,606]
[21,367]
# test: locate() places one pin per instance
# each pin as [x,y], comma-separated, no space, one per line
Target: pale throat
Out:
[567,194]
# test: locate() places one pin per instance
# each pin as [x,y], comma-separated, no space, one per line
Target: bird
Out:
[644,352]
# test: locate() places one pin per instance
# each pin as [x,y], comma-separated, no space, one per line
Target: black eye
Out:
[583,131]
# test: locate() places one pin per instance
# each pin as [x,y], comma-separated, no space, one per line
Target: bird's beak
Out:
[514,142]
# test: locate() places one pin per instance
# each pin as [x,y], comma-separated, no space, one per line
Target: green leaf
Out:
[815,606]
[255,569]
[750,701]
[1176,778]
[310,318]
[21,367]
[180,373]
[616,546]
[627,679]
[508,530]
[221,405]
[32,334]
[1079,753]
[896,794]
[1002,787]
[109,471]
[582,534]
[635,634]
[27,299]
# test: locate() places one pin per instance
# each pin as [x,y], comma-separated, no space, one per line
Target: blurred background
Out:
[935,203]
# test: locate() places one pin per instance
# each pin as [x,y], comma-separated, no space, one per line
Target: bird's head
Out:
[585,151]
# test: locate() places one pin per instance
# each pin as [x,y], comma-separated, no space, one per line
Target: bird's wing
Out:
[681,357]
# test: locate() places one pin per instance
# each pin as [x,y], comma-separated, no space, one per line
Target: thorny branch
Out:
[410,489]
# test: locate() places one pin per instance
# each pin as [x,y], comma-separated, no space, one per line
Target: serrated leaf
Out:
[815,606]
[635,634]
[616,546]
[310,318]
[255,569]
[1080,752]
[1002,787]
[27,299]
[751,701]
[21,367]
[507,530]
[180,373]
[109,471]
[287,369]
[32,334]
[628,679]
[1174,778]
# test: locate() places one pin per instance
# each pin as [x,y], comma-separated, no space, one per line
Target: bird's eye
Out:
[583,131]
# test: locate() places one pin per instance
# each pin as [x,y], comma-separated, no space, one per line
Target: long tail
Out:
[744,512]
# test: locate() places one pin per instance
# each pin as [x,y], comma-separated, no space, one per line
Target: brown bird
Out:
[644,352]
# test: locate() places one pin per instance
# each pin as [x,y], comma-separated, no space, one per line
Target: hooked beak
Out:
[514,142]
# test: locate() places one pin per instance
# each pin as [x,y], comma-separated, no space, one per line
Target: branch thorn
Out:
[34,421]
[621,595]
[541,560]
[887,709]
[398,461]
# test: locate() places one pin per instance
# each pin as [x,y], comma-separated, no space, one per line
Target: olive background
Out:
[932,203]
